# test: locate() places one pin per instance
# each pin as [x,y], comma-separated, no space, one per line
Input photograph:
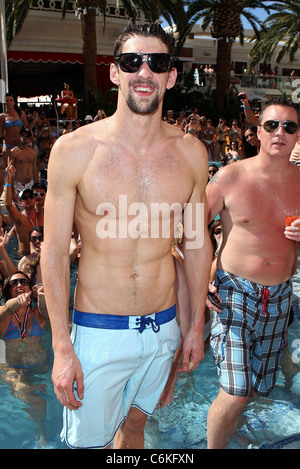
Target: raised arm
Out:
[14,213]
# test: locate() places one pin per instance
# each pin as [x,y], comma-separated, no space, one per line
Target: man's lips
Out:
[142,87]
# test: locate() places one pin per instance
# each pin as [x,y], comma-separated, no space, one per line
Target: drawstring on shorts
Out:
[265,292]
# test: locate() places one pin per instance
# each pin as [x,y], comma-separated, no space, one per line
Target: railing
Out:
[282,83]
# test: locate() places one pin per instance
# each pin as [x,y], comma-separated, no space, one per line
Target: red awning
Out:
[53,57]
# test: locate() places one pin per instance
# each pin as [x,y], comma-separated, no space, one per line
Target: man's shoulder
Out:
[74,150]
[229,174]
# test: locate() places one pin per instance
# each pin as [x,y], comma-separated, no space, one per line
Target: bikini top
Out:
[12,332]
[9,124]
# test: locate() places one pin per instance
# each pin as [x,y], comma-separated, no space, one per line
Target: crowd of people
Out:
[130,285]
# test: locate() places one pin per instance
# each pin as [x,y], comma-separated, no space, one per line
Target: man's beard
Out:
[143,107]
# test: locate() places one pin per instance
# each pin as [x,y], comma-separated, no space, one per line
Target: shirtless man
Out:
[123,278]
[23,159]
[256,261]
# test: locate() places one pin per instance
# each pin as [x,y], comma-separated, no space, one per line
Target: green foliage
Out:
[282,27]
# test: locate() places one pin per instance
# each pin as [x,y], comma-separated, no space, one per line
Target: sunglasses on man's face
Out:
[17,281]
[26,197]
[271,126]
[131,62]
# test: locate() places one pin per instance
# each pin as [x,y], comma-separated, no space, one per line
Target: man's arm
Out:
[215,200]
[197,261]
[249,113]
[55,264]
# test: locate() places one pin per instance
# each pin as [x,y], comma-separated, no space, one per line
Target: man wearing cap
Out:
[88,119]
[23,159]
[27,219]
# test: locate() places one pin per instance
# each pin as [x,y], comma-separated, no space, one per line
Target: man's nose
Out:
[280,129]
[145,70]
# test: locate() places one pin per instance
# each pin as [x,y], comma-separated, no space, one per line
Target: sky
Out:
[259,12]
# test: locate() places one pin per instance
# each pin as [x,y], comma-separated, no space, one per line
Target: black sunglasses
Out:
[290,127]
[25,197]
[36,238]
[131,62]
[16,281]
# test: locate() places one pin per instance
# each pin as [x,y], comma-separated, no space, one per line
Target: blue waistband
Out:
[109,321]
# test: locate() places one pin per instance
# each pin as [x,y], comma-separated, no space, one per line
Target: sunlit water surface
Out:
[31,416]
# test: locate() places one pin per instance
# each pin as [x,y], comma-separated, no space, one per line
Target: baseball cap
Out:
[25,191]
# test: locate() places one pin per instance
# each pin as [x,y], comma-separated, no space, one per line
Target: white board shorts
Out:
[126,361]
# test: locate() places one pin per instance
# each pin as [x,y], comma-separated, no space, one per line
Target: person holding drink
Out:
[257,259]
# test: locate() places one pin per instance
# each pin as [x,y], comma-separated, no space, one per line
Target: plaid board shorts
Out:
[248,337]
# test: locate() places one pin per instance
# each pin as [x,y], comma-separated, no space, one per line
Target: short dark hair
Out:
[145,30]
[39,229]
[39,185]
[281,101]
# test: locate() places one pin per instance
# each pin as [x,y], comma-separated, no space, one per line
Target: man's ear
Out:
[114,74]
[172,78]
[258,131]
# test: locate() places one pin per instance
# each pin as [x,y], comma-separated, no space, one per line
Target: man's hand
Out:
[293,232]
[193,351]
[213,300]
[66,371]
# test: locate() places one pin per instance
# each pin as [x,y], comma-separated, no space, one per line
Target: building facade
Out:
[48,51]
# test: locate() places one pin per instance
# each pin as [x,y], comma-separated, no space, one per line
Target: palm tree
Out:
[224,18]
[281,27]
[87,10]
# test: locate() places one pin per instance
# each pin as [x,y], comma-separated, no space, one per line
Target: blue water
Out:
[31,416]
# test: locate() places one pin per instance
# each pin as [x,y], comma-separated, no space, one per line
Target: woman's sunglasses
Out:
[41,194]
[16,281]
[36,238]
[131,62]
[290,127]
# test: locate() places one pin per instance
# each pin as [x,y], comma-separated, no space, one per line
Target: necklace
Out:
[36,219]
[22,326]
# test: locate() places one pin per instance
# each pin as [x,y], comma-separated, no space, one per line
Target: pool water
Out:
[31,416]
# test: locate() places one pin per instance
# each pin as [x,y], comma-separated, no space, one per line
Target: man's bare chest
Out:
[155,180]
[262,202]
[24,157]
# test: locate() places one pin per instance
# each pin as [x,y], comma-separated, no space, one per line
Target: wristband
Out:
[246,108]
[7,185]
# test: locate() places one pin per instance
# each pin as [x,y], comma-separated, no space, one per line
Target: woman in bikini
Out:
[19,319]
[11,123]
[22,346]
[69,106]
